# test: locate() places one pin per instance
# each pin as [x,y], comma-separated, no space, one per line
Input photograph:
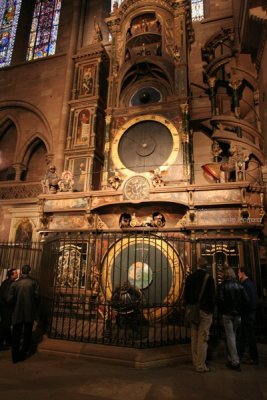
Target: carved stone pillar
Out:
[19,168]
[106,153]
[185,141]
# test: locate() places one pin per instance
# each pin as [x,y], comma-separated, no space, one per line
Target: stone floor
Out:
[57,375]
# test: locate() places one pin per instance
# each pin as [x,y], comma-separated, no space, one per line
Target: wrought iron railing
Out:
[125,289]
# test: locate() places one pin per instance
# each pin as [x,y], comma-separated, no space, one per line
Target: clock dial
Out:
[136,188]
[144,144]
[146,263]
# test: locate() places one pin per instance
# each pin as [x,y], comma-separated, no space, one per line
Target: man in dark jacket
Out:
[232,298]
[248,319]
[5,309]
[200,332]
[23,296]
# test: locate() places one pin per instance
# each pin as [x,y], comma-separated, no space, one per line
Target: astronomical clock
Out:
[147,129]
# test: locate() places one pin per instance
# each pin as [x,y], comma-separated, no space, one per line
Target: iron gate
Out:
[125,289]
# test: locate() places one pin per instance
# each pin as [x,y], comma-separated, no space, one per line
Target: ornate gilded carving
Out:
[157,220]
[156,178]
[115,181]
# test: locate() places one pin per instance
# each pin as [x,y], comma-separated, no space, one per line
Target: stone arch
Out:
[34,160]
[8,142]
[30,121]
[34,138]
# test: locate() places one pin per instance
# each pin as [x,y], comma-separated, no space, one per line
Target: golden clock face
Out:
[136,188]
[149,264]
[144,144]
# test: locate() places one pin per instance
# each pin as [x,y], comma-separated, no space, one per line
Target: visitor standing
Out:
[196,283]
[23,297]
[248,319]
[6,310]
[232,298]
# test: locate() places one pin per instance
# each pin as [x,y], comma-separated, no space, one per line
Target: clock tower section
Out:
[147,128]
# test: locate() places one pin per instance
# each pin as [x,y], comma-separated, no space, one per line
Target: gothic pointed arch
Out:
[35,160]
[8,141]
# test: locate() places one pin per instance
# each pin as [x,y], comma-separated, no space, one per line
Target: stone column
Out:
[185,141]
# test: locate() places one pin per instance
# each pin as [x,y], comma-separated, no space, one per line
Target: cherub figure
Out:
[115,180]
[157,180]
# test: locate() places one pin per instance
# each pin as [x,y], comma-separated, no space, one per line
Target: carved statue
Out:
[94,278]
[50,180]
[158,219]
[134,221]
[125,220]
[98,32]
[216,150]
[176,54]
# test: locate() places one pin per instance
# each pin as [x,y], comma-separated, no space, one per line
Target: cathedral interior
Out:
[133,139]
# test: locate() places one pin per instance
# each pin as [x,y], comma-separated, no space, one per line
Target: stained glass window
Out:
[197,8]
[9,15]
[44,29]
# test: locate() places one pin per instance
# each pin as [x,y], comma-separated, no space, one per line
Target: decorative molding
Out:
[20,191]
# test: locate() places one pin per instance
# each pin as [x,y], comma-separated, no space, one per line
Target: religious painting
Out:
[80,173]
[65,220]
[87,80]
[24,232]
[82,122]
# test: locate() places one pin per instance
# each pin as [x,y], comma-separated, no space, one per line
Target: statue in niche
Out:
[50,180]
[125,220]
[158,219]
[144,25]
[176,54]
[115,9]
[24,232]
[134,221]
[216,151]
[98,32]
